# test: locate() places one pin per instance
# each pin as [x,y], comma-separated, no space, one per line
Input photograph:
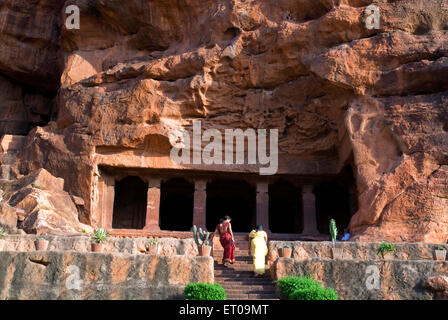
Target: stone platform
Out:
[53,275]
[303,250]
[372,279]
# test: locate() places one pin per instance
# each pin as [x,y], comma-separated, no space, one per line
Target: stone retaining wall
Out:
[54,275]
[368,279]
[352,250]
[168,246]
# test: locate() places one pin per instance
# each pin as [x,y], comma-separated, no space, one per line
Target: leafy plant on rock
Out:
[314,294]
[204,291]
[384,248]
[304,288]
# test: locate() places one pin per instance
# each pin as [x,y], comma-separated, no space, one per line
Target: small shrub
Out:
[288,285]
[385,248]
[333,231]
[314,293]
[100,235]
[2,232]
[438,247]
[204,291]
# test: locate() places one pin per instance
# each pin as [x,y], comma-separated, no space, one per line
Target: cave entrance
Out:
[176,205]
[130,203]
[234,198]
[336,199]
[285,208]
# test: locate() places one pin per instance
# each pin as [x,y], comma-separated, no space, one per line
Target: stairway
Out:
[238,279]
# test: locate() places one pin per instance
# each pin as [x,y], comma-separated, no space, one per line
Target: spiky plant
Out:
[100,235]
[201,237]
[333,231]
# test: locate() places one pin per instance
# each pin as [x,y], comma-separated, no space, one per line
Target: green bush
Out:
[204,291]
[288,285]
[384,248]
[314,293]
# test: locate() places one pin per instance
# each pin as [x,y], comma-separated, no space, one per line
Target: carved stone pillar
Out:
[263,205]
[200,199]
[153,205]
[107,196]
[309,211]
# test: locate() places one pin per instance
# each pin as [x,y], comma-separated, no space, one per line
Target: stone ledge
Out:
[355,279]
[168,246]
[352,250]
[72,275]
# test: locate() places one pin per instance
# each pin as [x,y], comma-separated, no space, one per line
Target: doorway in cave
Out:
[336,199]
[285,208]
[176,205]
[130,203]
[234,198]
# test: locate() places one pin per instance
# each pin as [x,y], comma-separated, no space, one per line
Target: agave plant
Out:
[333,231]
[100,235]
[154,241]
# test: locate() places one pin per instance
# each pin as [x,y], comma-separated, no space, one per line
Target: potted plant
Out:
[385,249]
[2,242]
[153,247]
[99,238]
[440,253]
[337,252]
[41,244]
[285,252]
[202,239]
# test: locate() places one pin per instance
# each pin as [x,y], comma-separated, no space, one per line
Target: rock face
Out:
[439,285]
[112,93]
[92,276]
[370,279]
[41,206]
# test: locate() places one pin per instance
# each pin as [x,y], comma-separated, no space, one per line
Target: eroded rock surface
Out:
[339,93]
[370,279]
[92,276]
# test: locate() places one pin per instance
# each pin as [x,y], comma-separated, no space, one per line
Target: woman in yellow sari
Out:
[259,249]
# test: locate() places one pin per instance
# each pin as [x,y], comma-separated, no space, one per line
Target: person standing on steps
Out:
[258,249]
[227,240]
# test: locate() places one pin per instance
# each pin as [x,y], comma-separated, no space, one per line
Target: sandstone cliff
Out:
[338,92]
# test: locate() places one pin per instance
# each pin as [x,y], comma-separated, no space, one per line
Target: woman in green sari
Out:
[259,249]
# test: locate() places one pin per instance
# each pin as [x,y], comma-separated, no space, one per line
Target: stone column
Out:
[309,211]
[200,198]
[263,205]
[153,205]
[107,198]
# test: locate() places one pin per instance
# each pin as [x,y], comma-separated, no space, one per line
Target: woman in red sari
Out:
[224,229]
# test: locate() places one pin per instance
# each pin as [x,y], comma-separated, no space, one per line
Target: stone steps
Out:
[231,286]
[240,283]
[252,297]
